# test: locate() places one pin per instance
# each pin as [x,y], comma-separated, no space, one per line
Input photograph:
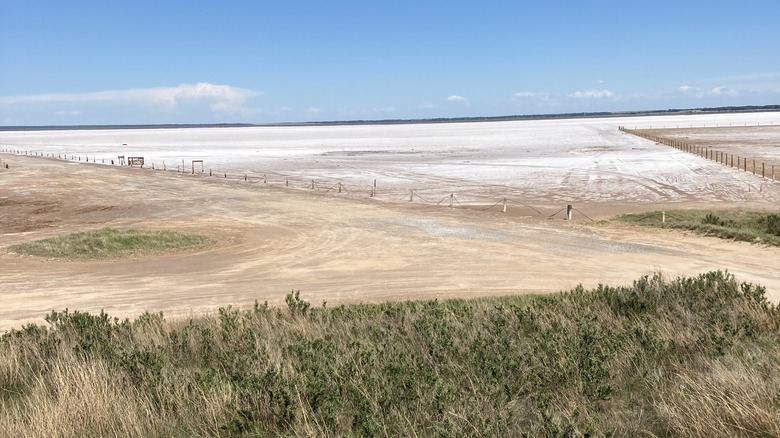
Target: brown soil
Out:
[273,239]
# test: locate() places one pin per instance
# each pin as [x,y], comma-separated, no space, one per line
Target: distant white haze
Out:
[205,103]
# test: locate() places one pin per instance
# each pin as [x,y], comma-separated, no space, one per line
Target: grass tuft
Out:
[110,243]
[747,226]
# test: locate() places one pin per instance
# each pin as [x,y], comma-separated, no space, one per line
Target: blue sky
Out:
[170,61]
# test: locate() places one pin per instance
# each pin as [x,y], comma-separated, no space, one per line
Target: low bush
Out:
[696,356]
[756,227]
[109,242]
[772,222]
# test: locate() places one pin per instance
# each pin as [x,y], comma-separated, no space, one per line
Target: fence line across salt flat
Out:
[336,186]
[321,185]
[759,168]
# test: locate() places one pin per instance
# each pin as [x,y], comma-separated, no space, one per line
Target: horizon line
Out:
[548,116]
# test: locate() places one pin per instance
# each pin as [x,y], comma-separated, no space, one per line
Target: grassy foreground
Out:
[745,226]
[110,243]
[683,357]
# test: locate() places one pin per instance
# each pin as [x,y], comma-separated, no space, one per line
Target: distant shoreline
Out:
[584,115]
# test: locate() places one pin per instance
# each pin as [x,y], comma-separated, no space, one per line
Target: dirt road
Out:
[273,239]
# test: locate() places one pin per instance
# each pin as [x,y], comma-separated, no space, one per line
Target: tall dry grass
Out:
[665,357]
[726,397]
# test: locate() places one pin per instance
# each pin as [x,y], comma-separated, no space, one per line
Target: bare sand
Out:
[333,247]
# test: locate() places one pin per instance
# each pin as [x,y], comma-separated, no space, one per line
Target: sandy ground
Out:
[339,248]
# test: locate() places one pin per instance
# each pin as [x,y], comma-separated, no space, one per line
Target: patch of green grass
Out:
[110,243]
[747,226]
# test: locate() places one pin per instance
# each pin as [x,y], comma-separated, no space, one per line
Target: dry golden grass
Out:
[682,357]
[84,400]
[726,398]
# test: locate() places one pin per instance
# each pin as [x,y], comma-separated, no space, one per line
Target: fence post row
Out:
[705,152]
[708,153]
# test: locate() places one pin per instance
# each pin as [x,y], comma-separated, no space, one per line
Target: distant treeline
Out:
[673,111]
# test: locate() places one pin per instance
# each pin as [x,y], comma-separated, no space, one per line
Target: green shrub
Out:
[608,361]
[109,242]
[772,222]
[739,225]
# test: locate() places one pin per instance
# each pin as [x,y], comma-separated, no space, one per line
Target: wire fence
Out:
[750,165]
[332,186]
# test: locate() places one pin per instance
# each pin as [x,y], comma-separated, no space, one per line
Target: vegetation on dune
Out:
[740,225]
[109,243]
[690,356]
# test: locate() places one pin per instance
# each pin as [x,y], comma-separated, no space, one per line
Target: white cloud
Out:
[720,91]
[739,85]
[313,110]
[221,98]
[68,113]
[530,96]
[723,91]
[456,98]
[749,78]
[591,94]
[541,101]
[427,105]
[387,109]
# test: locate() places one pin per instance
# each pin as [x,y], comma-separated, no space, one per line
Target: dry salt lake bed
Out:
[348,247]
[540,162]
